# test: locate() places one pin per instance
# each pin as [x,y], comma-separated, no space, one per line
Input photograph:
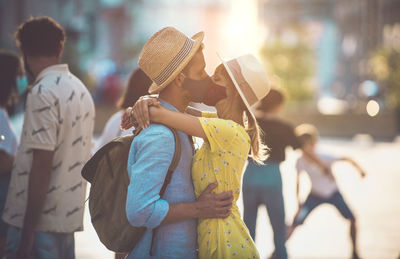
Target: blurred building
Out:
[96,29]
[349,31]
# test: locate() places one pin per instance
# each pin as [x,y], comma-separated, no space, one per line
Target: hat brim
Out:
[198,41]
[237,86]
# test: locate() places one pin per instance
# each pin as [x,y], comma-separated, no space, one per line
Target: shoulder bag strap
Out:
[171,169]
[174,163]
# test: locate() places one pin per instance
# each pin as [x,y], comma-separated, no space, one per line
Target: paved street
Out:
[374,201]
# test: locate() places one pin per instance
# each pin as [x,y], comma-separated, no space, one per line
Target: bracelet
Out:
[135,124]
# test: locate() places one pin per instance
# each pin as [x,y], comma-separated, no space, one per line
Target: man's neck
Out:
[178,103]
[42,63]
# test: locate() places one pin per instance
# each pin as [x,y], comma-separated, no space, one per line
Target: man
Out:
[176,65]
[47,193]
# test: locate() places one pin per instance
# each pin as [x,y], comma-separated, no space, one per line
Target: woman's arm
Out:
[298,188]
[180,121]
[353,163]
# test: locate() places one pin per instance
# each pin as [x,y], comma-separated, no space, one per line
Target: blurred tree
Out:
[385,67]
[293,62]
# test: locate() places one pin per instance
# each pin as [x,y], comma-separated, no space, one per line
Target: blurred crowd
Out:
[42,192]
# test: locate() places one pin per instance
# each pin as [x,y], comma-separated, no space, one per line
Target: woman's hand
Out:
[140,111]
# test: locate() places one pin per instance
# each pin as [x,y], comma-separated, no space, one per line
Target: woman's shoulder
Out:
[228,128]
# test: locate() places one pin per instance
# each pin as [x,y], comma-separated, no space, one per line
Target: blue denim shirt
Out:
[150,155]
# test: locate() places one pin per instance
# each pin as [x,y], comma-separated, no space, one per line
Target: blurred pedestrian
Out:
[262,184]
[11,82]
[323,185]
[138,85]
[46,197]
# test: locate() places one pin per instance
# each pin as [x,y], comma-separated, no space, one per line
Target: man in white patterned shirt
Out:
[47,193]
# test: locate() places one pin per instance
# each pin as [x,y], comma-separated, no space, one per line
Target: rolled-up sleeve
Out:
[149,159]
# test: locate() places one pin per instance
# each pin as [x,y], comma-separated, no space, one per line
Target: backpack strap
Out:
[168,177]
[174,163]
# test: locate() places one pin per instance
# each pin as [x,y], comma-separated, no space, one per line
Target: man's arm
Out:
[39,179]
[208,205]
[6,162]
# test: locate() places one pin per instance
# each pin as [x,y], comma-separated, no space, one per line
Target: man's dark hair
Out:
[273,99]
[138,85]
[41,36]
[10,66]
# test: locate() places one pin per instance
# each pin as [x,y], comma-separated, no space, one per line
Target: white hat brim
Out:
[236,86]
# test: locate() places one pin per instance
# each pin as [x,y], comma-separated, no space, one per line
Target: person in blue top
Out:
[262,184]
[175,63]
[11,82]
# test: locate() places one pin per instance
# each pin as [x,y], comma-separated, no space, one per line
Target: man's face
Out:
[197,67]
[195,73]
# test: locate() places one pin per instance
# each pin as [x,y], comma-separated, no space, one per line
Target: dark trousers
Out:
[262,185]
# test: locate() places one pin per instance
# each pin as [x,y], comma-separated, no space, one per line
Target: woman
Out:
[227,142]
[11,81]
[138,85]
[262,184]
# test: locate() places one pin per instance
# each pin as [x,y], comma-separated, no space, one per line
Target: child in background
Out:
[324,188]
[262,184]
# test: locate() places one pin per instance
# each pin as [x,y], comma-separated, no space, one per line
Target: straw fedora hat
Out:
[165,55]
[249,78]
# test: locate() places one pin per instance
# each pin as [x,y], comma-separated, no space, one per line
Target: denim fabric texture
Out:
[4,184]
[262,185]
[149,158]
[314,201]
[47,245]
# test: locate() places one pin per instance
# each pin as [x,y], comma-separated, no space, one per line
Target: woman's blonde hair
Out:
[259,151]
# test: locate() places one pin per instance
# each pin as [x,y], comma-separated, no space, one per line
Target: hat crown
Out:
[249,78]
[166,54]
[160,50]
[255,75]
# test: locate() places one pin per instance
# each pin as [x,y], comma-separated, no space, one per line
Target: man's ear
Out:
[60,51]
[179,80]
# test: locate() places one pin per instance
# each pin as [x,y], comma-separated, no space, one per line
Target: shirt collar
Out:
[59,68]
[167,105]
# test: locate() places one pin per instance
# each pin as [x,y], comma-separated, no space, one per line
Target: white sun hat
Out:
[249,78]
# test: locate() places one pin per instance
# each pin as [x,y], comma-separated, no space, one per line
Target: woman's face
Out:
[231,106]
[220,78]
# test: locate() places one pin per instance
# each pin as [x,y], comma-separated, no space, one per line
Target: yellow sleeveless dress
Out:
[222,158]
